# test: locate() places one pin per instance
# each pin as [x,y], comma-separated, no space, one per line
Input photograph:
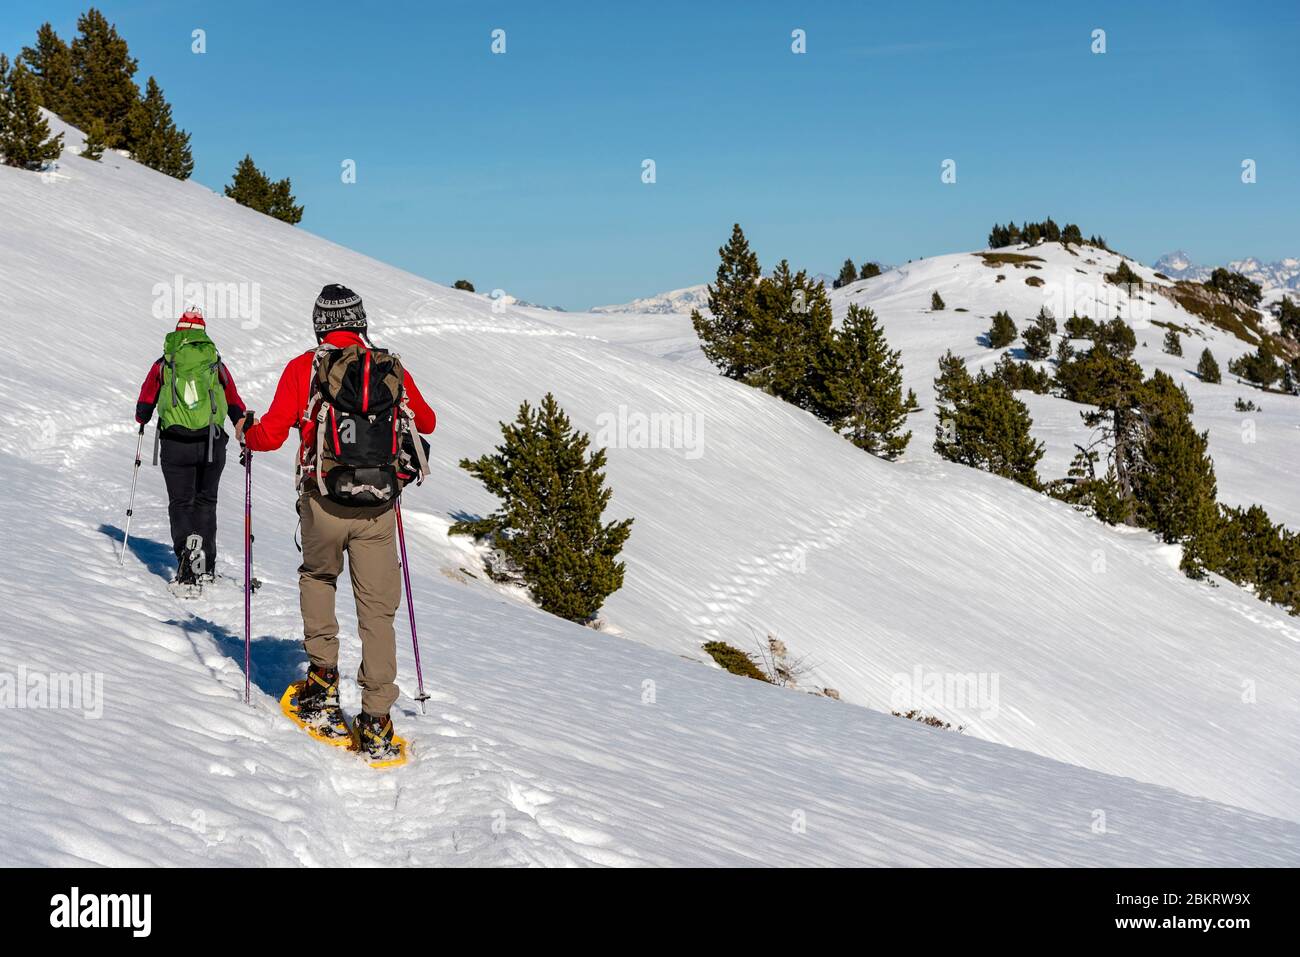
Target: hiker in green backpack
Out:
[194,393]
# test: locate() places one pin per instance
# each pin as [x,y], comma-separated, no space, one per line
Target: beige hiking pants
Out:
[368,535]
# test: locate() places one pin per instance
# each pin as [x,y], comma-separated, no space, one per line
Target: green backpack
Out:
[192,396]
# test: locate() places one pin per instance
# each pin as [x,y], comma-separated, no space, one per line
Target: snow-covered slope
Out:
[552,743]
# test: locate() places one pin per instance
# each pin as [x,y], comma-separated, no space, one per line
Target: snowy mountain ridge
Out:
[1282,274]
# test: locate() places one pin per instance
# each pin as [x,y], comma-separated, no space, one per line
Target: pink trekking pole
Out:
[248,573]
[422,697]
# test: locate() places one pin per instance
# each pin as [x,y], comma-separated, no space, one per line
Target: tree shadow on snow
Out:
[158,557]
[277,662]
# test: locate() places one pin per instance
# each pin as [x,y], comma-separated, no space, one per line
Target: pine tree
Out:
[283,206]
[1038,337]
[51,64]
[550,523]
[1258,367]
[869,271]
[1003,331]
[1288,317]
[1173,344]
[848,274]
[155,140]
[1174,487]
[25,139]
[990,430]
[952,388]
[102,69]
[249,186]
[463,284]
[936,301]
[726,333]
[1208,369]
[791,339]
[252,188]
[865,389]
[94,148]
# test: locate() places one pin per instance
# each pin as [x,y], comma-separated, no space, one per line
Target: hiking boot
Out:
[318,702]
[373,737]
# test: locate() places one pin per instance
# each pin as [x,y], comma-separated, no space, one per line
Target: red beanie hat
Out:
[191,318]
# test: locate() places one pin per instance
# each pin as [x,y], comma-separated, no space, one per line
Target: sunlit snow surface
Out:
[547,743]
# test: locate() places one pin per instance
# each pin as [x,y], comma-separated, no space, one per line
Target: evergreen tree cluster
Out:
[1124,275]
[550,524]
[25,140]
[1003,332]
[252,188]
[1236,288]
[980,423]
[1259,367]
[90,83]
[1046,231]
[851,273]
[776,333]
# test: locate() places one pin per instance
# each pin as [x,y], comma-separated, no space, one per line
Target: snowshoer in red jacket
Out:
[356,410]
[194,392]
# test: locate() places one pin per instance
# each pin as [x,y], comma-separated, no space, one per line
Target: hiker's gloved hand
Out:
[243,425]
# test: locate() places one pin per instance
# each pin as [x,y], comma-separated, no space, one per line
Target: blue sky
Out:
[523,171]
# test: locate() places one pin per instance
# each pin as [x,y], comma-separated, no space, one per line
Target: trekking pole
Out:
[422,697]
[130,505]
[248,573]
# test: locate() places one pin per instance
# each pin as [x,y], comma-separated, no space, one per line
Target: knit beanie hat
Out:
[337,307]
[192,318]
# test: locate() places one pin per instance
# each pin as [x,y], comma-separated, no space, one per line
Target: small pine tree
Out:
[463,284]
[1258,367]
[848,274]
[51,64]
[102,70]
[1124,276]
[1064,351]
[155,140]
[25,139]
[1288,317]
[865,389]
[1038,337]
[1208,368]
[550,526]
[1174,487]
[936,301]
[252,188]
[726,333]
[1003,331]
[1173,343]
[869,271]
[94,148]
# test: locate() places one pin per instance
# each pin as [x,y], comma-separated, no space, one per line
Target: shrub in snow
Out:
[549,525]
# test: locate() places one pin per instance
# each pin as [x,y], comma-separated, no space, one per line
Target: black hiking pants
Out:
[192,483]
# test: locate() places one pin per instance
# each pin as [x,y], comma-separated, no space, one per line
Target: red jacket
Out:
[289,407]
[148,399]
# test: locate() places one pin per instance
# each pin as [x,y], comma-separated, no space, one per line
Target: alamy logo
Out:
[73,910]
[626,429]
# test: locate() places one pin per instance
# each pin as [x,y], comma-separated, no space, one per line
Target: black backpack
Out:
[365,445]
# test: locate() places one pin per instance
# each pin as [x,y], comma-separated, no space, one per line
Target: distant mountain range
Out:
[1283,274]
